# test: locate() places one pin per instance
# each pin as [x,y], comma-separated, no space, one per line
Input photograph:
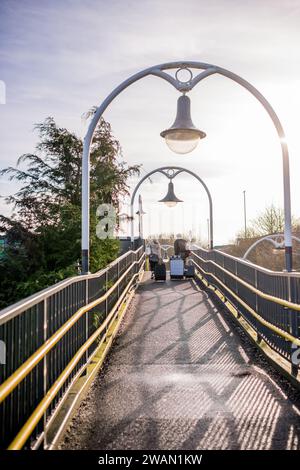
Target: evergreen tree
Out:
[43,234]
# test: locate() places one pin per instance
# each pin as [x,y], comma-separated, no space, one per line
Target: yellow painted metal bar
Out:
[102,350]
[264,322]
[263,295]
[38,413]
[13,381]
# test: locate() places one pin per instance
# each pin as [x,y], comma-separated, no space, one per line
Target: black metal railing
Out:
[27,326]
[251,288]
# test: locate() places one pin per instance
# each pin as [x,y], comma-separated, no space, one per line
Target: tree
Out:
[271,221]
[43,234]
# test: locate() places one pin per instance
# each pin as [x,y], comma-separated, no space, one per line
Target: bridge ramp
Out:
[181,376]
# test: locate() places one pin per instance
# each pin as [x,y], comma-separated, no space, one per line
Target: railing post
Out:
[106,302]
[236,286]
[136,259]
[45,370]
[293,327]
[86,318]
[223,264]
[118,276]
[258,336]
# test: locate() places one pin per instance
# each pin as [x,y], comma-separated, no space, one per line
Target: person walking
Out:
[181,248]
[154,255]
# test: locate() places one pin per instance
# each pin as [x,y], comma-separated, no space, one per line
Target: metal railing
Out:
[50,338]
[268,300]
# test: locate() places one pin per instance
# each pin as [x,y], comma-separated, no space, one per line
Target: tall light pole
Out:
[245,214]
[208,232]
[182,132]
[172,172]
[140,213]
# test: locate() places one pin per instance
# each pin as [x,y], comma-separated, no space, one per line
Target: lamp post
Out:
[140,213]
[245,214]
[171,172]
[208,231]
[183,132]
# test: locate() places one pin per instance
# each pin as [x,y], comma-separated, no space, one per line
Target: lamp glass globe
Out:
[182,141]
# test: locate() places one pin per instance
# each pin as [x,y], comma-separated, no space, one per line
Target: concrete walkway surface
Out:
[180,376]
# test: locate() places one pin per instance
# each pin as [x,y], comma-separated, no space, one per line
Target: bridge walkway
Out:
[181,376]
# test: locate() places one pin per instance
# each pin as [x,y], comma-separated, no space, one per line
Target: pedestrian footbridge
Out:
[208,363]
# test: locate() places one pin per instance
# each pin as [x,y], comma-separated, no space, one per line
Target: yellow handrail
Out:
[269,325]
[263,295]
[13,381]
[27,429]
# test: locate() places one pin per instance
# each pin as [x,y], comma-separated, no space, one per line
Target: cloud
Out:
[60,58]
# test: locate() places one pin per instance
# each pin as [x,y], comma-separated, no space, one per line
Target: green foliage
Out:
[43,235]
[268,222]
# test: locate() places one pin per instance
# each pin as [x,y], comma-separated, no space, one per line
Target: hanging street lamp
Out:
[172,172]
[170,198]
[183,136]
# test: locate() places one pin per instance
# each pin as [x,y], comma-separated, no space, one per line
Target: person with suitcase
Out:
[181,248]
[154,256]
[189,270]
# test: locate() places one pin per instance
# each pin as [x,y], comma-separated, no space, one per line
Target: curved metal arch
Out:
[159,71]
[179,170]
[268,238]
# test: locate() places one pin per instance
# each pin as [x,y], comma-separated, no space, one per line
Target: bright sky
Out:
[59,58]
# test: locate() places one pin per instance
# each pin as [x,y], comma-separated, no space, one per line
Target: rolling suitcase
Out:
[189,271]
[160,272]
[176,267]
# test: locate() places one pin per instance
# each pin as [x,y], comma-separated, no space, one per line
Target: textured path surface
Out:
[180,376]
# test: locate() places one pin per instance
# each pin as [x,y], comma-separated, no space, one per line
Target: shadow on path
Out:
[179,377]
